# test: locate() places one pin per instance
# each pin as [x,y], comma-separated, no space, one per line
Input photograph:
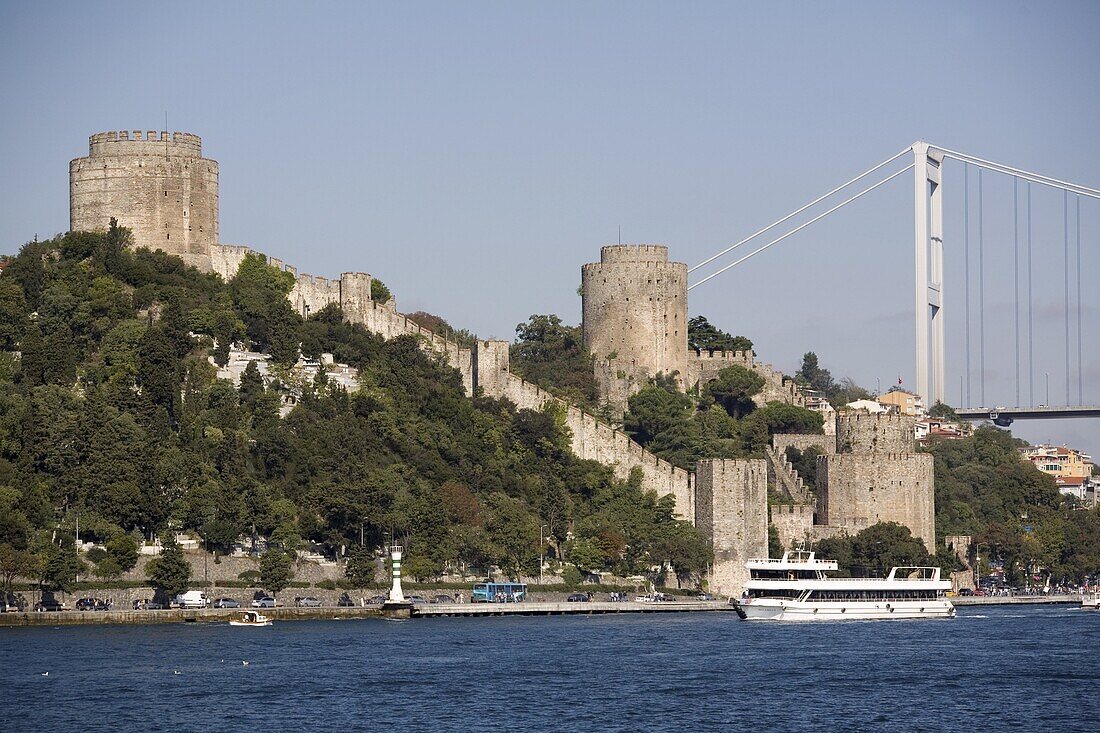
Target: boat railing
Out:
[789,561]
[914,572]
[837,580]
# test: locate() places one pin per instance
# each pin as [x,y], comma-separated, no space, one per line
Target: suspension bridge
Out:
[927,162]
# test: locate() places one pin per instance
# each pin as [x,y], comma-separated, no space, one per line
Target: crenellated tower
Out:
[634,318]
[156,184]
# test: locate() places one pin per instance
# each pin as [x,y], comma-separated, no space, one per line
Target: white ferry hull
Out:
[768,609]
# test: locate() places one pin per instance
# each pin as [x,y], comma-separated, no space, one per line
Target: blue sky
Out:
[474,155]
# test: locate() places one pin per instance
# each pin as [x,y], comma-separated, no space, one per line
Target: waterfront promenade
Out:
[436,610]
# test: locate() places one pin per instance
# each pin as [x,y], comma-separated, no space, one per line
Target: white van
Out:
[192,599]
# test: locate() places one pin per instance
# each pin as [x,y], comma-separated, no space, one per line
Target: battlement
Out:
[865,432]
[733,357]
[655,253]
[795,511]
[126,142]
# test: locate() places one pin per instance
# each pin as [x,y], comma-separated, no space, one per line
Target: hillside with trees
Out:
[111,415]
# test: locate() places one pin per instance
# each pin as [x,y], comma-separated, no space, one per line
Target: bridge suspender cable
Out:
[799,228]
[793,214]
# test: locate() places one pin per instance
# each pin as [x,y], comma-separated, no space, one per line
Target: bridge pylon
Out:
[928,210]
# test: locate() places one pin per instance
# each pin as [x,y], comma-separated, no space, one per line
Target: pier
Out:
[535,608]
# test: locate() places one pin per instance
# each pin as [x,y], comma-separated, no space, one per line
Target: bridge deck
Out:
[1027,413]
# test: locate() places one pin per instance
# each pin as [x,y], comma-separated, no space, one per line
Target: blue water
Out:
[989,669]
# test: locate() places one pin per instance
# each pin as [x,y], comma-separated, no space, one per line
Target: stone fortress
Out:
[634,324]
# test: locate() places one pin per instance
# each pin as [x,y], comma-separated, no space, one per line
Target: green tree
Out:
[734,389]
[945,412]
[813,375]
[379,292]
[805,462]
[252,385]
[360,567]
[585,555]
[169,571]
[775,546]
[552,355]
[15,563]
[702,336]
[61,566]
[653,410]
[276,570]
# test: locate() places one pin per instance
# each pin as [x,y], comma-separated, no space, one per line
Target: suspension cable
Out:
[1026,175]
[818,200]
[802,226]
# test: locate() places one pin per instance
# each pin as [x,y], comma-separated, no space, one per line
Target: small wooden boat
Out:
[251,618]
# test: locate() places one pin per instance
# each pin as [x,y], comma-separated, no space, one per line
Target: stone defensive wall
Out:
[488,369]
[703,366]
[731,507]
[863,432]
[878,487]
[793,522]
[594,440]
[801,441]
[781,472]
[351,292]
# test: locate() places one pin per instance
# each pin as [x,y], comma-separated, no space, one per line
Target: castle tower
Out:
[731,508]
[876,475]
[634,318]
[157,185]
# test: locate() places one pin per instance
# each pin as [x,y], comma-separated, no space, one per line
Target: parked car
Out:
[377,600]
[578,598]
[264,602]
[345,601]
[50,604]
[11,604]
[147,604]
[415,599]
[307,602]
[227,603]
[93,604]
[442,598]
[192,599]
[704,597]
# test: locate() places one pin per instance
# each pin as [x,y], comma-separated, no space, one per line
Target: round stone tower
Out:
[634,316]
[156,184]
[862,432]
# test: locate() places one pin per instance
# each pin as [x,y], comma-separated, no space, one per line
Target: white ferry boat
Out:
[796,588]
[1091,602]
